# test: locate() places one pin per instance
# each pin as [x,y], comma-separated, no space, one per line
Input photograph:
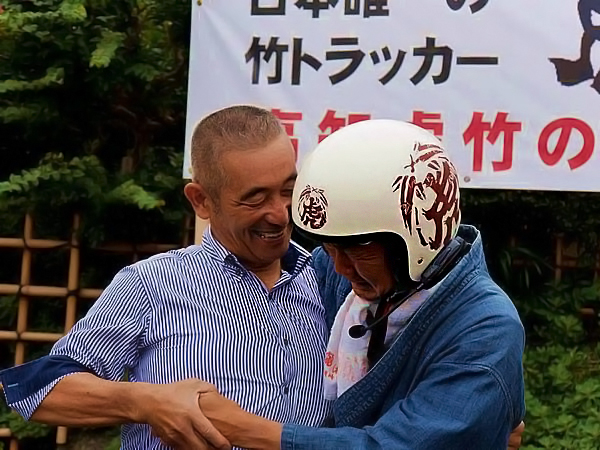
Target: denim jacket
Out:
[452,379]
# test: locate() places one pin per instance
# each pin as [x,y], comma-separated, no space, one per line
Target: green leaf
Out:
[131,193]
[143,71]
[110,42]
[73,11]
[54,76]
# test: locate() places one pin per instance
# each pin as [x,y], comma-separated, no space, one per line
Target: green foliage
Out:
[555,314]
[78,184]
[60,186]
[563,398]
[519,267]
[73,179]
[86,85]
[562,370]
[8,311]
[22,429]
[92,116]
[70,182]
[534,217]
[129,192]
[91,77]
[115,444]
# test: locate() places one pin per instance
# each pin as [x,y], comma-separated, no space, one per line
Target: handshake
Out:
[193,415]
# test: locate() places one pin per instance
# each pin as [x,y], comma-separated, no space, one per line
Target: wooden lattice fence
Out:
[27,294]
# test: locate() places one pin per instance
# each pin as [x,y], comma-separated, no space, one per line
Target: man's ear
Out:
[199,199]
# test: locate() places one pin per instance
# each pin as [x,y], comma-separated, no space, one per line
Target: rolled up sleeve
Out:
[105,342]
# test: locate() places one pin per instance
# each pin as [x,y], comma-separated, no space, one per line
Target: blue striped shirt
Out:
[197,312]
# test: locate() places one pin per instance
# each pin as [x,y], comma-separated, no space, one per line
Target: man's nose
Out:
[342,264]
[279,211]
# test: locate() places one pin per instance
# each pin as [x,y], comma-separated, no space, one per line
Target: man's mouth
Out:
[270,235]
[360,284]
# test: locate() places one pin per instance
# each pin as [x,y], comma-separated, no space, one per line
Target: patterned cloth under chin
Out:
[346,357]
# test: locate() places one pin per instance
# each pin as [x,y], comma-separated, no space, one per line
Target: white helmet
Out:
[380,176]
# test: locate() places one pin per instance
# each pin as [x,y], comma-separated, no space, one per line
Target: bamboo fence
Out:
[28,294]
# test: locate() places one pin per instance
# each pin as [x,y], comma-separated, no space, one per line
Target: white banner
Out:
[508,85]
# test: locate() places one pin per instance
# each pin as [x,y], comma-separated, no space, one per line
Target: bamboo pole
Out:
[33,243]
[29,336]
[39,336]
[9,335]
[23,300]
[47,291]
[61,435]
[114,247]
[73,281]
[558,262]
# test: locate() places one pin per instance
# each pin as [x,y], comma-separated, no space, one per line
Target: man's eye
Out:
[253,204]
[254,201]
[287,192]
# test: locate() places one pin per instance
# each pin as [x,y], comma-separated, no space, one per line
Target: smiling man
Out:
[241,310]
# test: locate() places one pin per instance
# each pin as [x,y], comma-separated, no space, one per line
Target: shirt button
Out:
[286,390]
[286,341]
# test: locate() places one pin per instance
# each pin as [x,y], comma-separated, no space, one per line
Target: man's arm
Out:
[440,413]
[256,433]
[455,408]
[82,399]
[56,390]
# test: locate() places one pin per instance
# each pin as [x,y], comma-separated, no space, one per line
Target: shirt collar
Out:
[294,260]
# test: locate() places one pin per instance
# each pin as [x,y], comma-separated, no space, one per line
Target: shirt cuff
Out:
[25,386]
[27,406]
